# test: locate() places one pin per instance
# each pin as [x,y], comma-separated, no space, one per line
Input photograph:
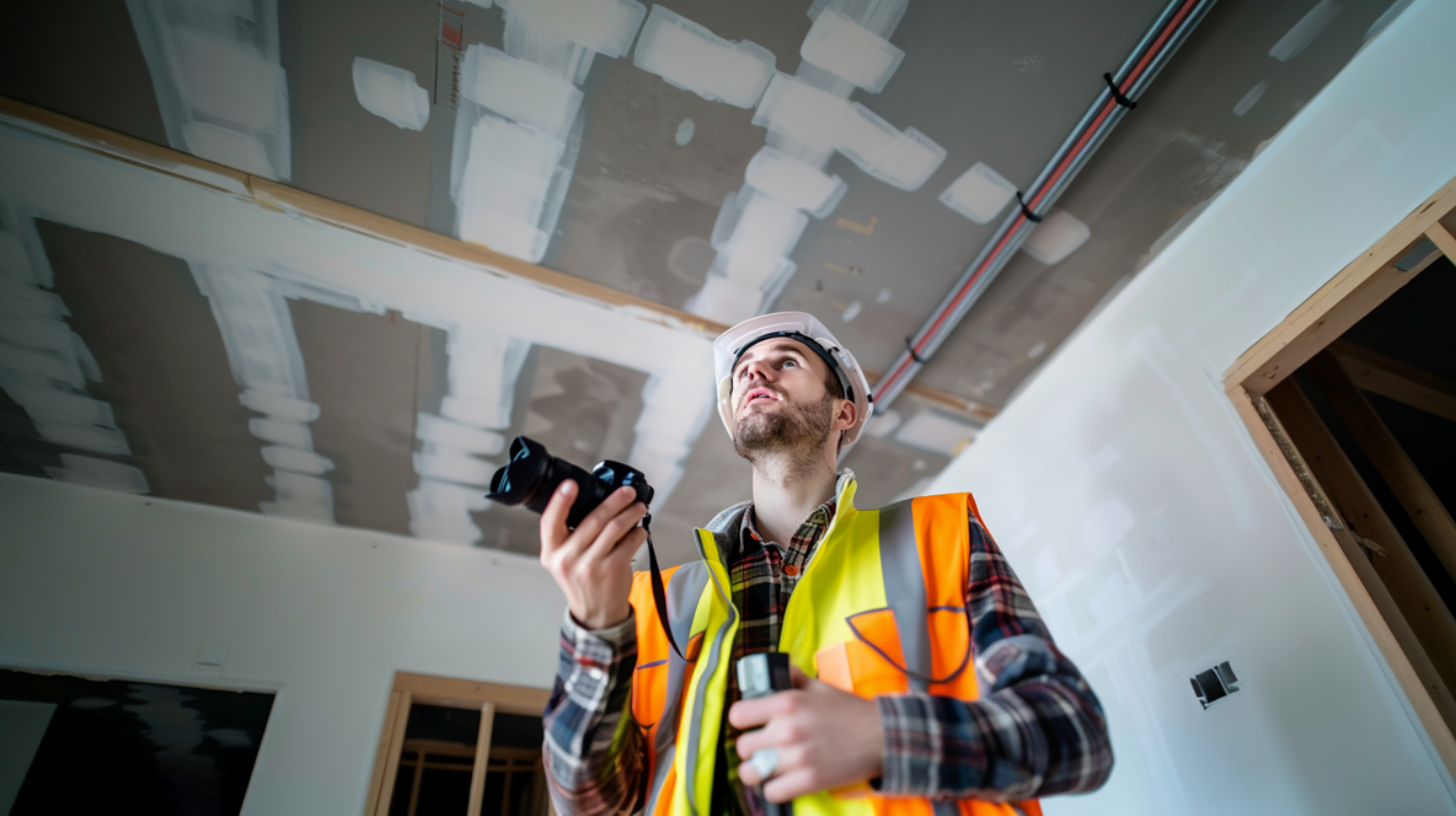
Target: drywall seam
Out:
[45,366]
[219,85]
[518,127]
[267,363]
[808,117]
[219,231]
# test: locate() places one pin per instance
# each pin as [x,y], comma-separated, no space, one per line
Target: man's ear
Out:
[846,416]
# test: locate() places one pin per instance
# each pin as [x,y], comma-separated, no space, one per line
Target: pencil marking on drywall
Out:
[854,226]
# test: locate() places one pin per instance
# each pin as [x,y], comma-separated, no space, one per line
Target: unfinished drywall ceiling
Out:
[632,176]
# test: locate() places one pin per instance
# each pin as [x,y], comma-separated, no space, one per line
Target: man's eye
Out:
[790,363]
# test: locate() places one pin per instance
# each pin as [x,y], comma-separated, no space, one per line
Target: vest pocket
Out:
[869,665]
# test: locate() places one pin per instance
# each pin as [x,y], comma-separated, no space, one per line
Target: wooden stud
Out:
[482,758]
[392,754]
[453,693]
[381,753]
[1420,502]
[415,783]
[1350,295]
[1360,594]
[1443,239]
[1403,383]
[1408,587]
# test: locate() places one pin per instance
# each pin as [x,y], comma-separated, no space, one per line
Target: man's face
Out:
[780,401]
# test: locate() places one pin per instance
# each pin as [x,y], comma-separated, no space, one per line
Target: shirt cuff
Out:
[914,745]
[611,637]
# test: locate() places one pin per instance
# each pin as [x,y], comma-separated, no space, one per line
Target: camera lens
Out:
[532,475]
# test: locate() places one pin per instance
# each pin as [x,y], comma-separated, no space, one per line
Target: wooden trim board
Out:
[1386,640]
[1350,295]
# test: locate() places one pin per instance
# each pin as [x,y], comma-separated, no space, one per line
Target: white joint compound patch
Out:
[1056,237]
[795,183]
[604,26]
[503,193]
[220,88]
[520,90]
[850,51]
[980,194]
[691,57]
[391,93]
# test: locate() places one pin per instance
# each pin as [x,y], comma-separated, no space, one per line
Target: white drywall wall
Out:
[119,585]
[1153,537]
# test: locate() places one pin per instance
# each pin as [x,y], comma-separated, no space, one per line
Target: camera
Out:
[532,475]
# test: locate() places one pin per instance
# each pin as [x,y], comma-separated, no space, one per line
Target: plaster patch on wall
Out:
[980,193]
[492,318]
[44,368]
[518,127]
[263,352]
[220,87]
[808,117]
[684,134]
[391,93]
[689,56]
[1059,235]
[604,26]
[794,182]
[519,90]
[88,471]
[845,48]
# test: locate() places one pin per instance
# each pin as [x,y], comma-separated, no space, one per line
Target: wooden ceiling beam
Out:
[1391,378]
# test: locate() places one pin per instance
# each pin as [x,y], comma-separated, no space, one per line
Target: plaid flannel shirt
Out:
[1037,729]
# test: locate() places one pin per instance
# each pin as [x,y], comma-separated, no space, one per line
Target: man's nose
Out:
[756,372]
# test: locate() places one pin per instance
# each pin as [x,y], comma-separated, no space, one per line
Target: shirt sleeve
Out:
[1037,729]
[594,752]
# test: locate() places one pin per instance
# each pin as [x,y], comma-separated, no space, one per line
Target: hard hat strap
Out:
[813,346]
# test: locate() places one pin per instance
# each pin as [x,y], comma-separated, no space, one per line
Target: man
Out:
[939,688]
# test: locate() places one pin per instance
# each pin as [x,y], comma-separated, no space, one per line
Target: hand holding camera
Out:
[589,526]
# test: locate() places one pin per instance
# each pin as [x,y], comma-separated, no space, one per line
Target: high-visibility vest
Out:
[880,609]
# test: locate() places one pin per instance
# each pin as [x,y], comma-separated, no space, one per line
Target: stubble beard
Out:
[799,431]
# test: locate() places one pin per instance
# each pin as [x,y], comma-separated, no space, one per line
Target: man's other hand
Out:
[826,738]
[593,563]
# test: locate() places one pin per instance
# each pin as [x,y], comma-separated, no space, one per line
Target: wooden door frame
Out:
[410,688]
[1317,323]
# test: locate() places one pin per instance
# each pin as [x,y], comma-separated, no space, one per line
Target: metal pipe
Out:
[1168,32]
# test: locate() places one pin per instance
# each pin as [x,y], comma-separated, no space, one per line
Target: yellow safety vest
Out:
[880,609]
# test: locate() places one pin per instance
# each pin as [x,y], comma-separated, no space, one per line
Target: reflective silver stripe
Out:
[664,764]
[943,807]
[905,590]
[695,723]
[684,590]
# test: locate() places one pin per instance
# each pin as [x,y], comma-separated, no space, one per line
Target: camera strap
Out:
[659,591]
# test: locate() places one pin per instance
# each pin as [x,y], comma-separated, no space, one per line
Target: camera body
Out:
[532,476]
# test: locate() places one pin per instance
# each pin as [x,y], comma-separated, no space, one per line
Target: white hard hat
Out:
[806,329]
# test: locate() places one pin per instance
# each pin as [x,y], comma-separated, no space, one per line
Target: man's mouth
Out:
[759,393]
